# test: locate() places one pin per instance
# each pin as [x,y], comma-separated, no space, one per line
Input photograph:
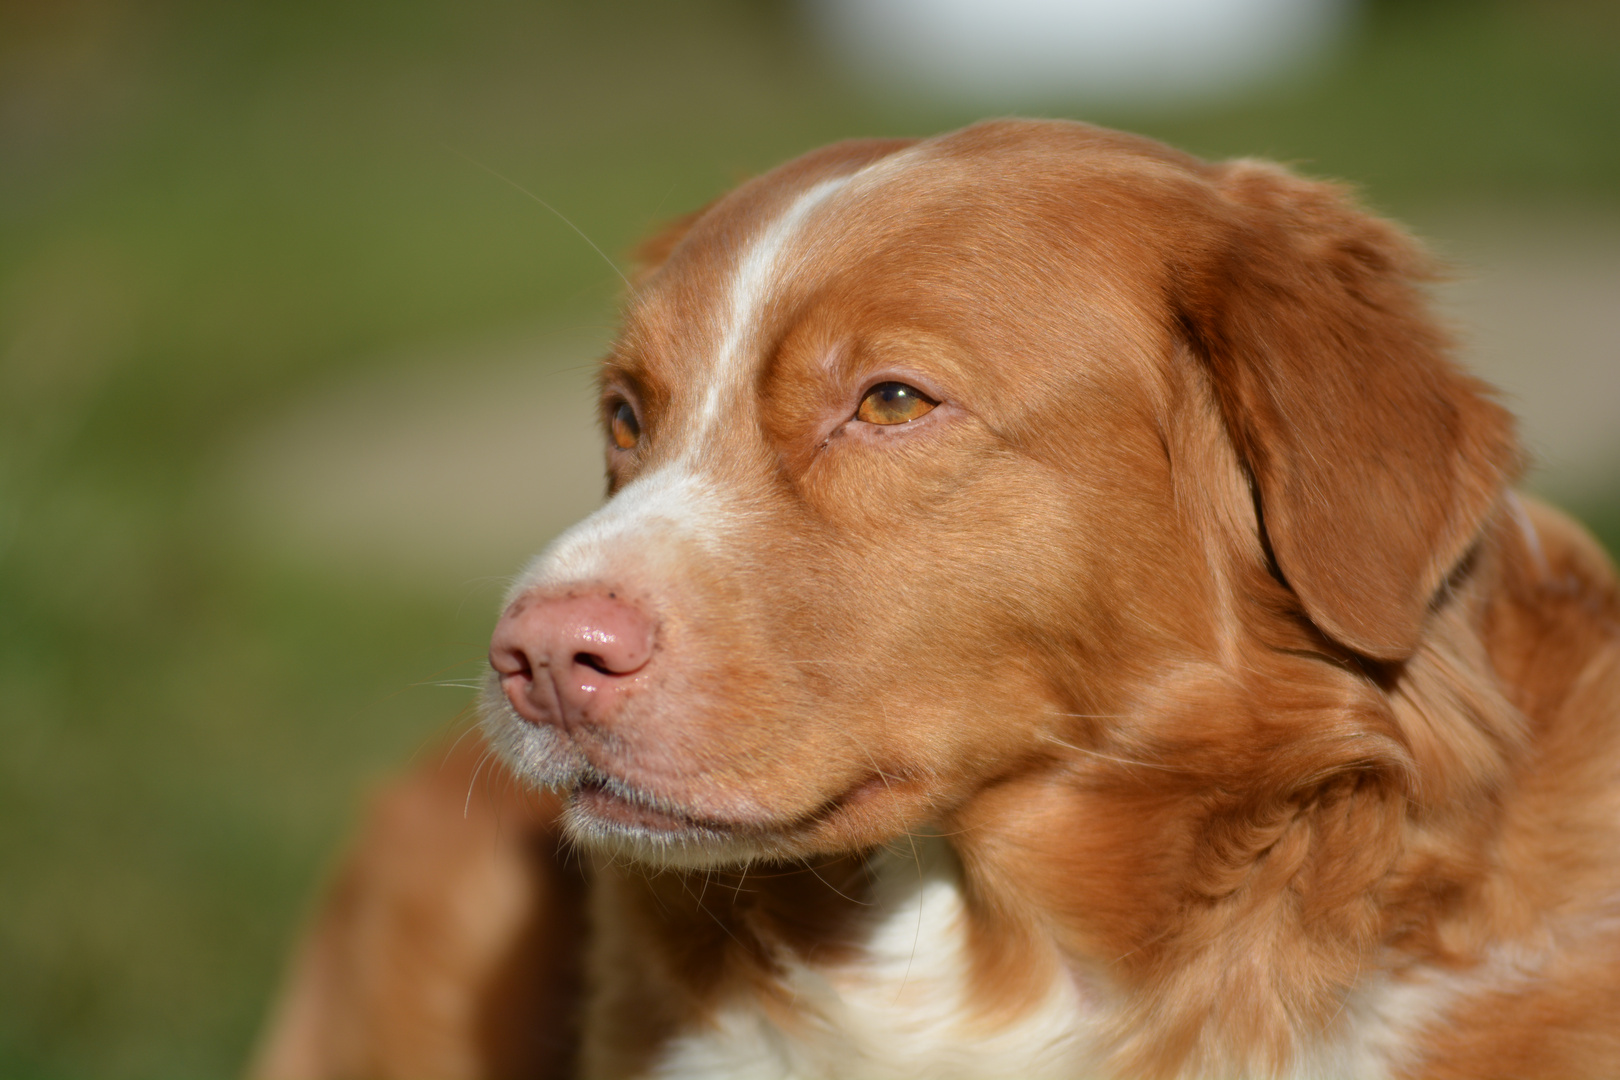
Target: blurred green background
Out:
[289,380]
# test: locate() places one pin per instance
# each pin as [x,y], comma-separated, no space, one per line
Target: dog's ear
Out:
[1375,459]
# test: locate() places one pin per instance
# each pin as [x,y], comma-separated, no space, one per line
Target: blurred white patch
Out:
[1009,52]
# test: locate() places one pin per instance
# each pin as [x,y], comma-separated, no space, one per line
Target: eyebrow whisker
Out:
[560,215]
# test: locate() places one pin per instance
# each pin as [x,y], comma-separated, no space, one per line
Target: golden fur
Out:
[1199,620]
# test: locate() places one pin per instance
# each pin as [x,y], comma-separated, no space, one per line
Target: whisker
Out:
[1110,757]
[1089,716]
[466,807]
[468,730]
[916,938]
[548,206]
[461,716]
[834,888]
[472,585]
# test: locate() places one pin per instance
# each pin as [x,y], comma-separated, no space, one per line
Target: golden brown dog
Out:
[1060,613]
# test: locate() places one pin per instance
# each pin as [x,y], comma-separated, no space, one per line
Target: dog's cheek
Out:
[948,605]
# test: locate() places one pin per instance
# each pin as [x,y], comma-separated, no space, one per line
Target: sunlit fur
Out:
[1185,695]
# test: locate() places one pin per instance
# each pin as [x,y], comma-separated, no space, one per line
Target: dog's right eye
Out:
[625,427]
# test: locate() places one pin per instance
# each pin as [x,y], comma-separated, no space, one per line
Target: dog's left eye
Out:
[894,403]
[625,427]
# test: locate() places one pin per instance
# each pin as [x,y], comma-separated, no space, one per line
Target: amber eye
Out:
[894,403]
[626,429]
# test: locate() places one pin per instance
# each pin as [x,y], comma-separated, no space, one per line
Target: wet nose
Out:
[563,659]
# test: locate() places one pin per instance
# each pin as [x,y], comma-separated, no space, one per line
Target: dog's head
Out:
[934,464]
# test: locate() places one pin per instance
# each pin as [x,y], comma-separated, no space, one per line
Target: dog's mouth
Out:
[606,813]
[613,803]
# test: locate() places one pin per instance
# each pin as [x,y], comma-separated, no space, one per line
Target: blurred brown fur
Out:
[449,944]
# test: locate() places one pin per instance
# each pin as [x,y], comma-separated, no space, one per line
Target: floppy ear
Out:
[1375,459]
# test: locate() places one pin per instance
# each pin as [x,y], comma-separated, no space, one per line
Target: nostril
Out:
[594,662]
[509,661]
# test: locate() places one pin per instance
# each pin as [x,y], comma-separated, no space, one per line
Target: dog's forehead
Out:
[737,261]
[1022,277]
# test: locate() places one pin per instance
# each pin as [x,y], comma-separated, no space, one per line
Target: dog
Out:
[1060,612]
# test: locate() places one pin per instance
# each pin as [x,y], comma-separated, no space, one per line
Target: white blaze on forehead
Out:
[757,272]
[677,498]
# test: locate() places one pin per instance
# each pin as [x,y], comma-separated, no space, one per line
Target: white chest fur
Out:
[903,1009]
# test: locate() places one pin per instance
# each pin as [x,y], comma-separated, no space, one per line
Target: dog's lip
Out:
[609,800]
[613,802]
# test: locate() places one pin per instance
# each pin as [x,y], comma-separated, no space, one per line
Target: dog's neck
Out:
[901,1002]
[914,976]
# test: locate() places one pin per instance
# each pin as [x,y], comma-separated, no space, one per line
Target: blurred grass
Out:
[206,208]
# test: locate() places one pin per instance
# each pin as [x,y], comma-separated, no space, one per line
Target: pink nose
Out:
[562,660]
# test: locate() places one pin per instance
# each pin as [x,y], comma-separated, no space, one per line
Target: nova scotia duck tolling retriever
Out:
[1060,612]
